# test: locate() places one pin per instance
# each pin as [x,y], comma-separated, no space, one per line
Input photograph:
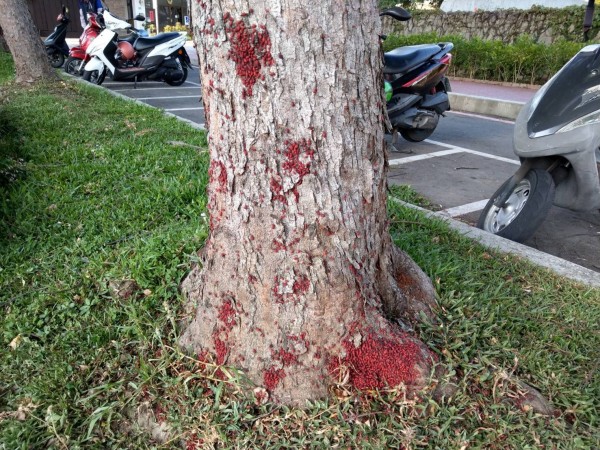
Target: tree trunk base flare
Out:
[366,347]
[300,285]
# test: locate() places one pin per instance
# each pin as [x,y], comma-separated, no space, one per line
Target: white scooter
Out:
[557,138]
[136,58]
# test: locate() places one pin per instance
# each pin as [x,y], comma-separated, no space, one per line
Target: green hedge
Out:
[524,61]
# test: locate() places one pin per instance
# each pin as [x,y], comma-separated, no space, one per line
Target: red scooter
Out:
[77,55]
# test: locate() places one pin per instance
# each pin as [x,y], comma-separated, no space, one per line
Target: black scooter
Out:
[56,44]
[416,85]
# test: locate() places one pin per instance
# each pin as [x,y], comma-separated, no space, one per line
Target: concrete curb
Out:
[557,265]
[485,106]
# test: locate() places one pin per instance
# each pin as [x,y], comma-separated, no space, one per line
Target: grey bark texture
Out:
[23,40]
[299,272]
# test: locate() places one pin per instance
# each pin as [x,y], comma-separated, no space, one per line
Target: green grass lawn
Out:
[96,194]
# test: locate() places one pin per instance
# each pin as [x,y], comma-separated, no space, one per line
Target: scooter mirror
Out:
[397,13]
[139,18]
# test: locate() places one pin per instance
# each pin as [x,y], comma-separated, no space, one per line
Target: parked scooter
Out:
[56,44]
[416,85]
[159,58]
[77,55]
[557,138]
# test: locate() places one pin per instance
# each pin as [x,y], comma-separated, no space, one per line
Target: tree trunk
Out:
[300,284]
[23,40]
[3,45]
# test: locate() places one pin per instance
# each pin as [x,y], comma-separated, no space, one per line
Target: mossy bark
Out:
[300,280]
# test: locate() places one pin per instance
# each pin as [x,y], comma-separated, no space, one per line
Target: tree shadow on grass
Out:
[12,164]
[12,168]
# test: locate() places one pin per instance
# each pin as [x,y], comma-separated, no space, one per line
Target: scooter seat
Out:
[131,38]
[142,43]
[403,59]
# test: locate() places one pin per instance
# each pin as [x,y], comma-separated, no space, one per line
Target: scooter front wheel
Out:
[56,59]
[94,76]
[524,211]
[72,66]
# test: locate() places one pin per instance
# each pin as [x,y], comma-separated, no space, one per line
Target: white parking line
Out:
[185,109]
[479,116]
[400,161]
[168,98]
[474,152]
[152,89]
[464,209]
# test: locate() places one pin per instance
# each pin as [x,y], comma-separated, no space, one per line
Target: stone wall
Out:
[545,25]
[491,5]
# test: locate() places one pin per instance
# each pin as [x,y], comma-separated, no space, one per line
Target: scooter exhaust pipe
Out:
[415,118]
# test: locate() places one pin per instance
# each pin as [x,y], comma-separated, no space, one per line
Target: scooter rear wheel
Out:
[419,134]
[56,59]
[524,211]
[181,80]
[416,135]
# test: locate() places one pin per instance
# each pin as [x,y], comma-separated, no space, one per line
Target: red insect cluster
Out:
[277,190]
[378,363]
[250,50]
[220,348]
[194,443]
[218,176]
[301,285]
[272,377]
[298,156]
[227,314]
[287,358]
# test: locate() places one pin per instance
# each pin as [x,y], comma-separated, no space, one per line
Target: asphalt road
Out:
[458,169]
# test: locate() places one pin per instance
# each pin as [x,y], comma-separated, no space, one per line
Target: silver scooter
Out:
[557,138]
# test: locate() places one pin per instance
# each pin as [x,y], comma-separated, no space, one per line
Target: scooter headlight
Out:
[535,100]
[591,118]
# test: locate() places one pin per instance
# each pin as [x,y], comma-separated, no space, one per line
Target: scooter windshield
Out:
[572,93]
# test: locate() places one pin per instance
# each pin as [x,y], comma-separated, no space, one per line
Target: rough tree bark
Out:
[23,40]
[3,45]
[300,283]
